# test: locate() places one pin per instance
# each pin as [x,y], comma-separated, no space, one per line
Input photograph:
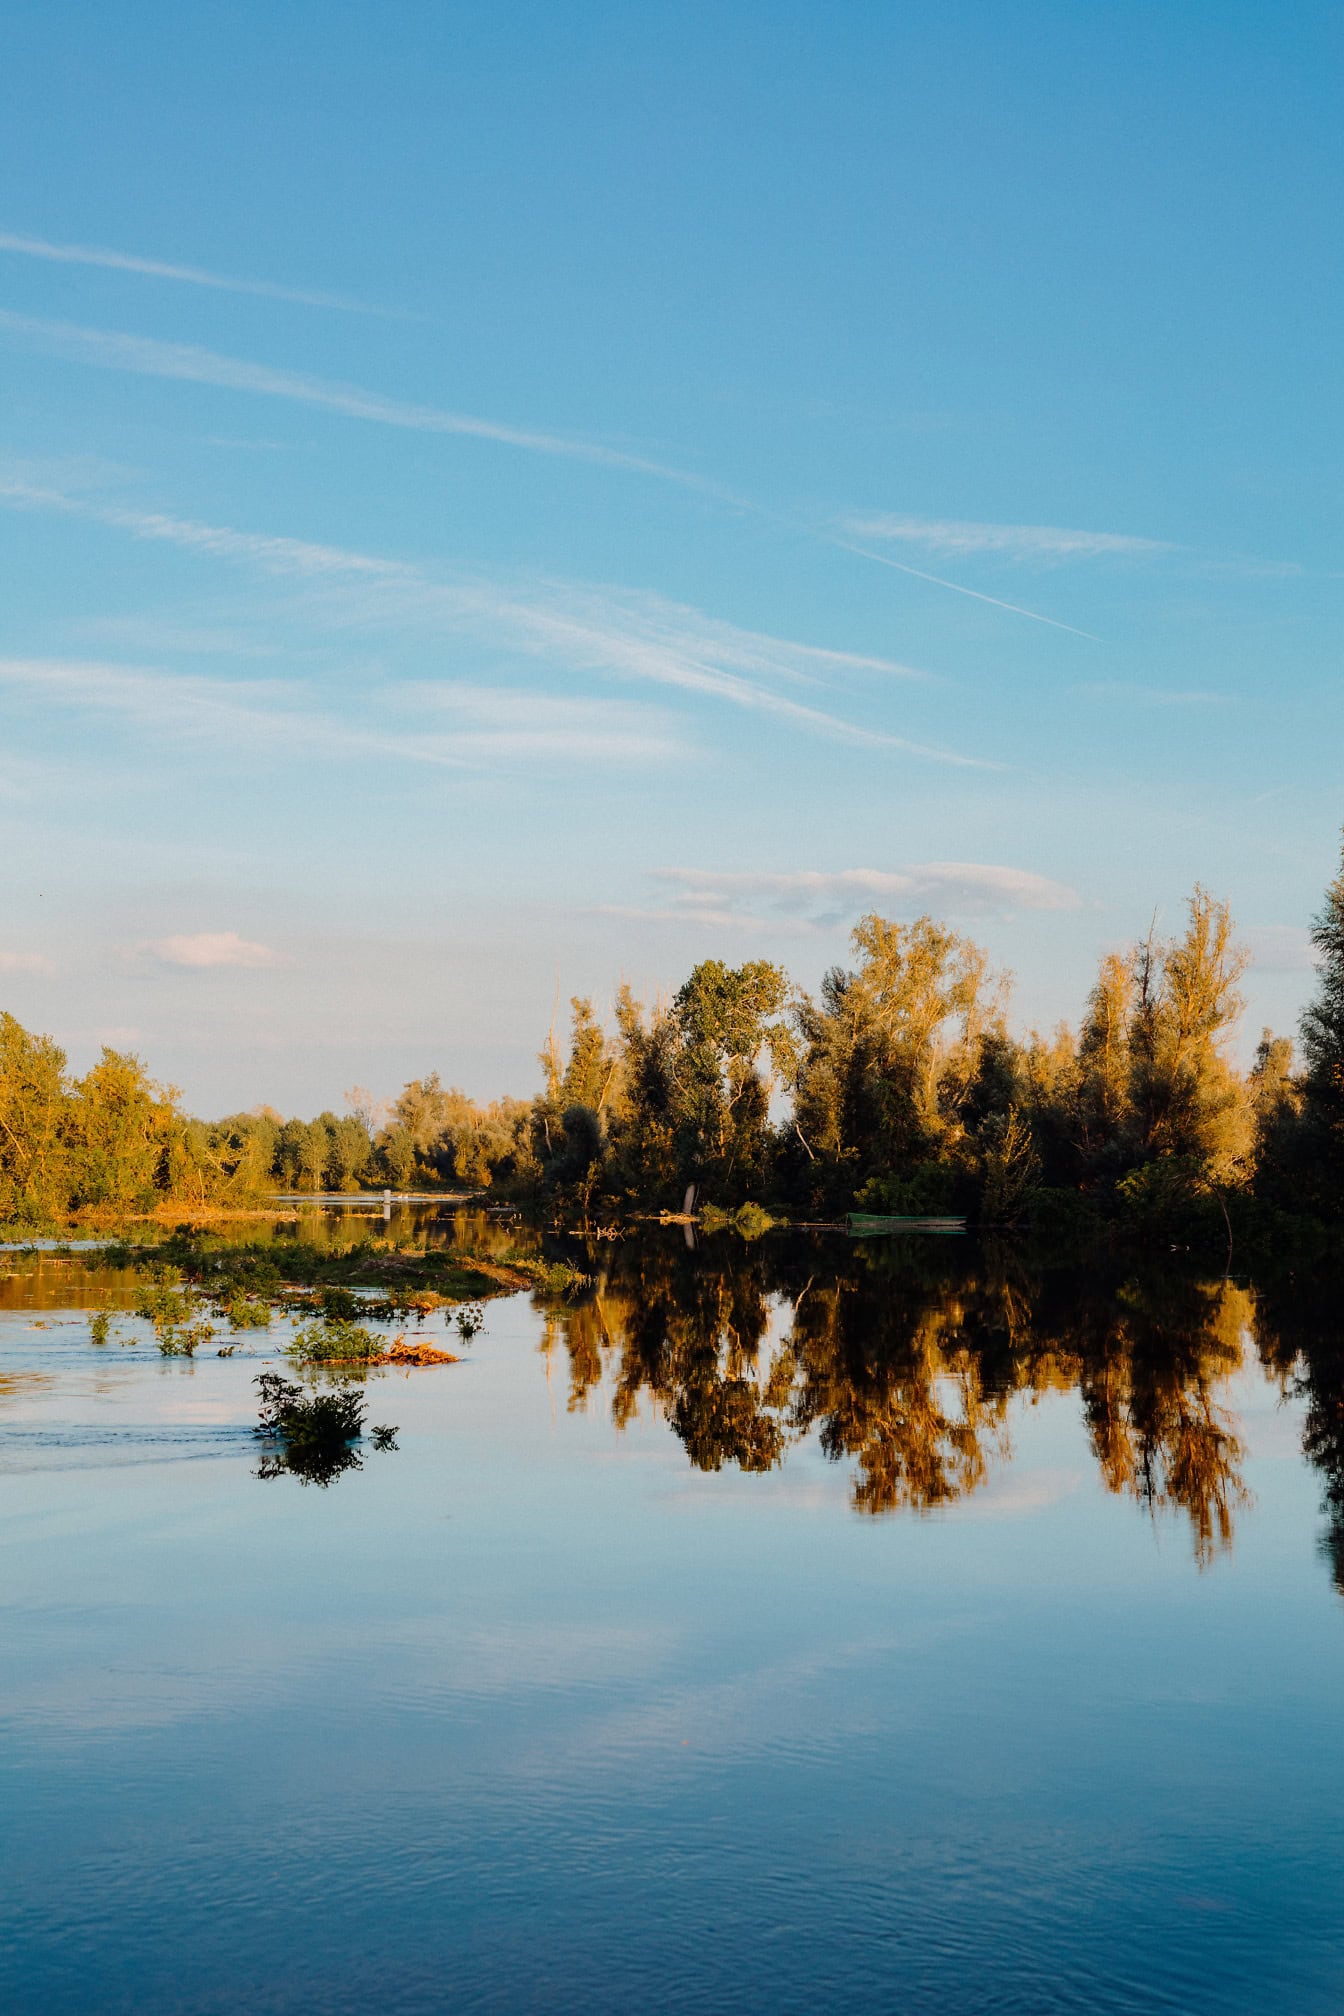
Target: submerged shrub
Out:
[470,1319]
[310,1438]
[335,1341]
[175,1311]
[184,1340]
[99,1326]
[245,1312]
[165,1302]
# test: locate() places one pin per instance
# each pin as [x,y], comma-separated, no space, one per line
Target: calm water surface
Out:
[783,1627]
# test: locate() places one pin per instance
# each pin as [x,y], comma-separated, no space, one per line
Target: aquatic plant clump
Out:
[470,1319]
[180,1329]
[247,1312]
[311,1437]
[336,1341]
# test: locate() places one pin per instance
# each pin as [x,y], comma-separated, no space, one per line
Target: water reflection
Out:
[50,1276]
[1301,1338]
[904,1359]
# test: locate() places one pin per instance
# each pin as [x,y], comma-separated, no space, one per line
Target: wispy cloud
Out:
[1041,543]
[476,727]
[161,636]
[162,269]
[810,898]
[601,631]
[25,962]
[149,357]
[211,949]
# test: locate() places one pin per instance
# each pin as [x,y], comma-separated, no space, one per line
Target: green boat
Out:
[864,1225]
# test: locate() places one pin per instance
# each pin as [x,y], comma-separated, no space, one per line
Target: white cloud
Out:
[212,948]
[810,898]
[1042,543]
[159,269]
[512,723]
[25,962]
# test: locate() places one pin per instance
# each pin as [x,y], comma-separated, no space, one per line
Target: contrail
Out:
[900,566]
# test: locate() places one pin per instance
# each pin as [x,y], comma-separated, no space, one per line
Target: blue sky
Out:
[517,497]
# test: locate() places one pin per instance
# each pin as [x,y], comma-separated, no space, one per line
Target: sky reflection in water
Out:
[537,1714]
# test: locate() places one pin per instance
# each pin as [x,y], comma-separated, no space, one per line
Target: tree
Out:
[119,1125]
[1103,1091]
[728,1023]
[1323,1043]
[1187,1100]
[890,1072]
[33,1158]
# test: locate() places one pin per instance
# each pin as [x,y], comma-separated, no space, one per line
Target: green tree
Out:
[119,1125]
[1102,1093]
[33,1145]
[731,1041]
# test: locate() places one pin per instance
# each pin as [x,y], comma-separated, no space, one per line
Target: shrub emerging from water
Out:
[100,1327]
[340,1305]
[470,1318]
[749,1221]
[175,1311]
[311,1438]
[335,1341]
[246,1312]
[184,1340]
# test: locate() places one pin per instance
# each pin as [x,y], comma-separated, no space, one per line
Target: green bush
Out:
[310,1438]
[175,1311]
[927,1189]
[245,1312]
[333,1341]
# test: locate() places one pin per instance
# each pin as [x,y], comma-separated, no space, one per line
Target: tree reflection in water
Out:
[904,1358]
[1301,1336]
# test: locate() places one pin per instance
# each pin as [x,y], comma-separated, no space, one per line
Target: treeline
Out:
[115,1142]
[898,1089]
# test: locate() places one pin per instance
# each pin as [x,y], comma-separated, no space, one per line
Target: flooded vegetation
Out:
[312,1437]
